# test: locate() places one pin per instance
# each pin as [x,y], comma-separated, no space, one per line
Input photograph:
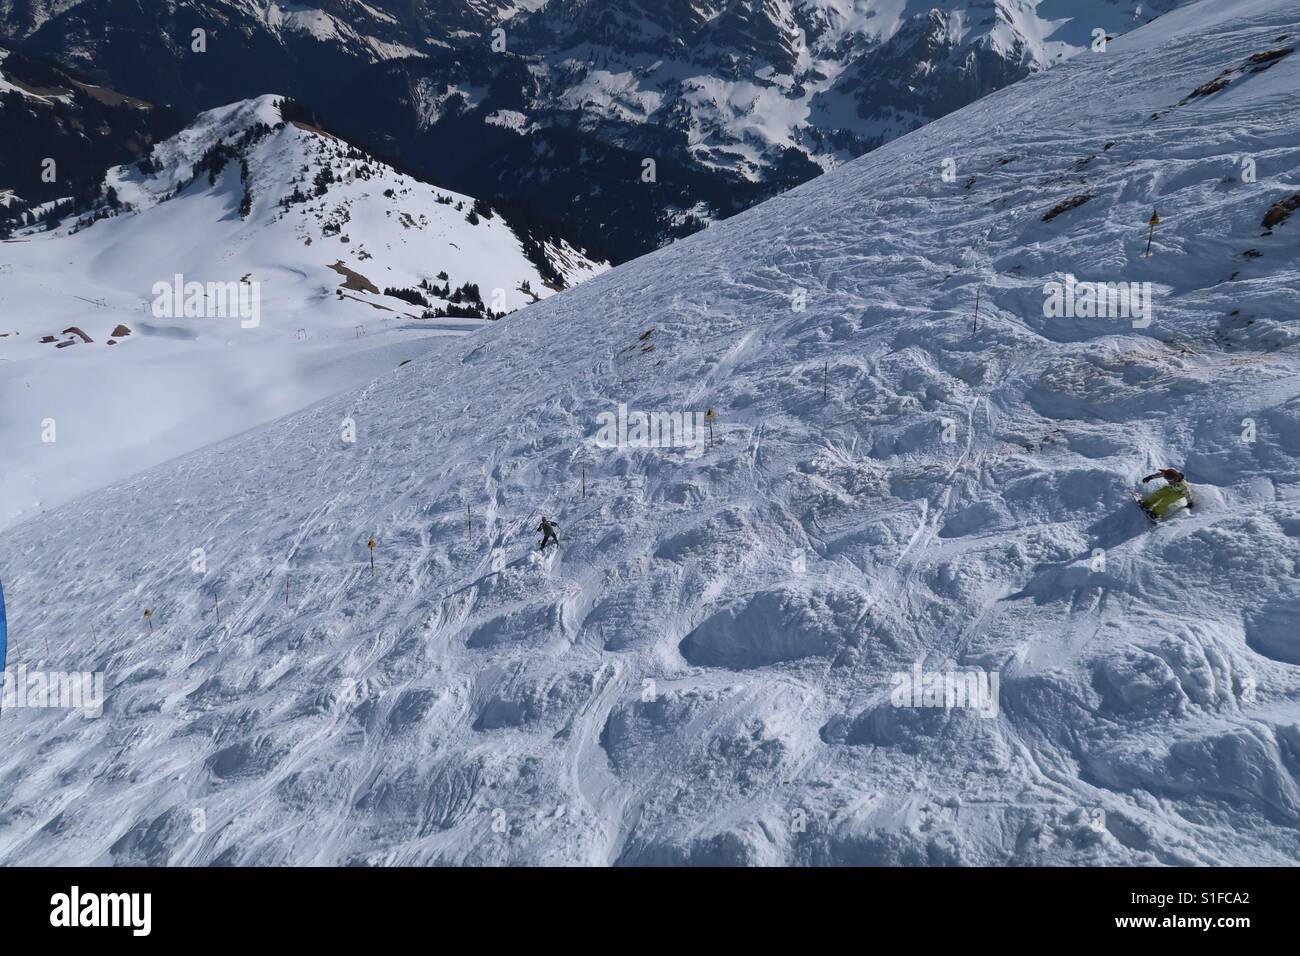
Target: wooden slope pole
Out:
[371,545]
[1151,230]
[826,371]
[975,323]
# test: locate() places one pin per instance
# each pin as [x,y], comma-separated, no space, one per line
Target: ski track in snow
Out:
[475,702]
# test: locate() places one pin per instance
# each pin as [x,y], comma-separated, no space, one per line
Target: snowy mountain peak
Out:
[293,172]
[172,164]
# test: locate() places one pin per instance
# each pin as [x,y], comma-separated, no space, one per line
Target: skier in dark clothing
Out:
[1161,502]
[547,528]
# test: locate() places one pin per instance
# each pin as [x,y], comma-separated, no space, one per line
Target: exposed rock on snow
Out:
[1280,211]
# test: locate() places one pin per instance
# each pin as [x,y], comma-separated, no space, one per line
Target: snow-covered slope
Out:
[703,671]
[736,100]
[326,230]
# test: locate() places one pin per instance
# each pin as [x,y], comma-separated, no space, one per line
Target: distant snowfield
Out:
[176,383]
[703,671]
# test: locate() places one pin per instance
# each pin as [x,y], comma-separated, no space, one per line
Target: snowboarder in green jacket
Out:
[1159,503]
[547,528]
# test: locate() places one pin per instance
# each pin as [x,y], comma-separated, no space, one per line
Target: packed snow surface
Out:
[702,672]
